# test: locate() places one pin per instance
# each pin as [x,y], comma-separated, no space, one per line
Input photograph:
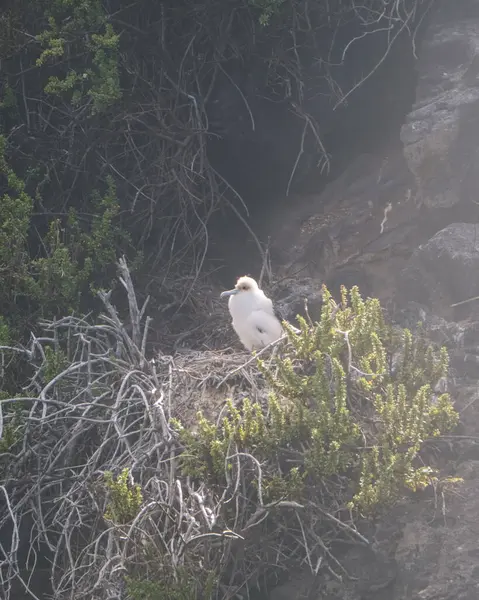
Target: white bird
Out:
[254,318]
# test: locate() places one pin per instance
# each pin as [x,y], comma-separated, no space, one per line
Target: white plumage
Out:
[253,315]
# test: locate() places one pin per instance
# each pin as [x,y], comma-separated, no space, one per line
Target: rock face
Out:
[440,133]
[437,551]
[438,273]
[386,204]
[402,225]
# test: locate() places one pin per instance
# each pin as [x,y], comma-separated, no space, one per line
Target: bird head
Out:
[244,285]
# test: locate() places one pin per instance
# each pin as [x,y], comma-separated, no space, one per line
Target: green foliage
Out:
[13,425]
[97,245]
[125,498]
[267,8]
[348,396]
[138,589]
[238,427]
[15,215]
[287,486]
[77,257]
[56,44]
[105,80]
[57,274]
[8,100]
[55,362]
[68,21]
[5,338]
[57,86]
[182,587]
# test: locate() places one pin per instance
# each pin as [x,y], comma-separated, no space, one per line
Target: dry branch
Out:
[109,408]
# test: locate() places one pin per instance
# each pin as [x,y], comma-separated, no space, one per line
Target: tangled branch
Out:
[191,74]
[96,404]
[120,482]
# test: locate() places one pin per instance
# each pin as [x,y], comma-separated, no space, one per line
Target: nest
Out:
[204,380]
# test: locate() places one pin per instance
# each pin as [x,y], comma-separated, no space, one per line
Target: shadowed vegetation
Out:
[182,506]
[109,111]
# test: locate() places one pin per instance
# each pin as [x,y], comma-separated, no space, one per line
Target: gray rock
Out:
[440,134]
[444,271]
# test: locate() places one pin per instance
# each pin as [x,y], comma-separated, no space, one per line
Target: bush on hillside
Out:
[350,398]
[143,494]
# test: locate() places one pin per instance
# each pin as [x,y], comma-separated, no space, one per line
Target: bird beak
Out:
[229,293]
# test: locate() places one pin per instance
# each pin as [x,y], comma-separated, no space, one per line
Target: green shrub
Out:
[349,397]
[267,8]
[165,587]
[76,259]
[13,424]
[55,275]
[55,362]
[98,84]
[125,498]
[16,208]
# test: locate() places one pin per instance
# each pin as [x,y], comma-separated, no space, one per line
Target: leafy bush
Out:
[166,587]
[75,257]
[351,398]
[12,427]
[125,498]
[55,362]
[49,275]
[267,8]
[99,83]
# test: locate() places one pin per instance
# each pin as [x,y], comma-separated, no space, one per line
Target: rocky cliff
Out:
[402,224]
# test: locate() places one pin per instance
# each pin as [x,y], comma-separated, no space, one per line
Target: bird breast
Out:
[242,305]
[254,320]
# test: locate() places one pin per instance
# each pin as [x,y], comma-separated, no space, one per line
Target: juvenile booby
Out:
[254,318]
